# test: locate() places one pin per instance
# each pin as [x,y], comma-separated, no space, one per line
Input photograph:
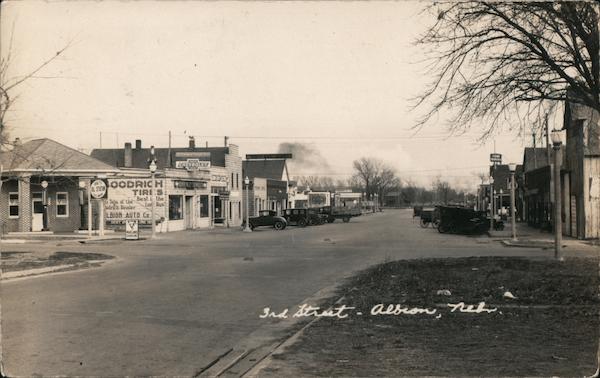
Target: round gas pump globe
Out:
[44,184]
[98,189]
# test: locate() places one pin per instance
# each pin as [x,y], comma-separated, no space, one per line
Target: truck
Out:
[331,213]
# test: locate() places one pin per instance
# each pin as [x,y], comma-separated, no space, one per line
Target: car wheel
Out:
[279,225]
[330,220]
[424,223]
[302,223]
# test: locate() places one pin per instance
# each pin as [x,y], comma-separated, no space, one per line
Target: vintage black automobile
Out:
[267,218]
[462,220]
[296,217]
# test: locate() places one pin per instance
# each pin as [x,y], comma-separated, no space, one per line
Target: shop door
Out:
[37,212]
[189,214]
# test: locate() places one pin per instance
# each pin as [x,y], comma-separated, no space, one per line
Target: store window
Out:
[62,204]
[203,206]
[13,205]
[175,208]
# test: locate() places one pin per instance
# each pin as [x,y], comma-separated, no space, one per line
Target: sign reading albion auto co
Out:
[131,199]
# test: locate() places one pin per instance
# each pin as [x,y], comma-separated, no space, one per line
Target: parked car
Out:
[462,220]
[267,218]
[297,217]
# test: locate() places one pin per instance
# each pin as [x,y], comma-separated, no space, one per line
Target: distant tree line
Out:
[373,176]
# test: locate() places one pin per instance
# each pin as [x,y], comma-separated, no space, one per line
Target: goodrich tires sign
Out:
[131,199]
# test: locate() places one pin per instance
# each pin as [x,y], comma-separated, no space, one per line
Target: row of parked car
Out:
[301,217]
[455,219]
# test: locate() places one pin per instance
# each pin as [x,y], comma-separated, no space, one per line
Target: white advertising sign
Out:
[131,199]
[192,164]
[132,230]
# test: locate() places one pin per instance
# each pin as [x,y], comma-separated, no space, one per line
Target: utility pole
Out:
[169,163]
[534,152]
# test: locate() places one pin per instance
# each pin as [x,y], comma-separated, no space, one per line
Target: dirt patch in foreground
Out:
[16,261]
[550,329]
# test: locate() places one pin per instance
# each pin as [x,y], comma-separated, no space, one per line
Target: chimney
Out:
[138,144]
[192,142]
[128,157]
[226,140]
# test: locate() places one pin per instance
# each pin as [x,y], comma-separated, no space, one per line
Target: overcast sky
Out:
[336,76]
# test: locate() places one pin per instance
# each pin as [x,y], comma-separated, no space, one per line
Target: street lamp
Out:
[512,168]
[247,183]
[492,201]
[45,204]
[556,143]
[152,168]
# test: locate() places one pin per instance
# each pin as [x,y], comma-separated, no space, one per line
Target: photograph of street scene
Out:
[299,189]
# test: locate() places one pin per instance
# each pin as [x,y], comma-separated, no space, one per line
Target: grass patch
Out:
[16,261]
[550,329]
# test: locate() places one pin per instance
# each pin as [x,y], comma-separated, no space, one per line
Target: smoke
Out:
[306,160]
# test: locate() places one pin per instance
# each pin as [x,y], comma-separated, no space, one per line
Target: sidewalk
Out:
[530,237]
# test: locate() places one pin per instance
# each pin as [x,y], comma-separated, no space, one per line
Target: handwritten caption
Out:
[343,311]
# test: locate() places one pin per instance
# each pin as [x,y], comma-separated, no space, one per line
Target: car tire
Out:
[330,220]
[279,226]
[302,223]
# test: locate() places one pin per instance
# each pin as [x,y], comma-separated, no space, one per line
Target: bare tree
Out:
[492,60]
[9,84]
[443,190]
[375,176]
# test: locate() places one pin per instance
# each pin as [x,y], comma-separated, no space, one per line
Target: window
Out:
[237,180]
[175,208]
[230,207]
[239,213]
[13,205]
[231,180]
[203,206]
[62,204]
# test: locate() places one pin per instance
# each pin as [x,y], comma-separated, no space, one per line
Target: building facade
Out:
[44,188]
[196,187]
[581,172]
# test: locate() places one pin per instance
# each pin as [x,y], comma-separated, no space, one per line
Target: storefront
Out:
[181,201]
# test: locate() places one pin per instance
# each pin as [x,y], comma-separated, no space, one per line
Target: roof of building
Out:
[272,169]
[534,158]
[140,156]
[501,175]
[50,156]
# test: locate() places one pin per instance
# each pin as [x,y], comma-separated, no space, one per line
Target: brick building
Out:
[40,187]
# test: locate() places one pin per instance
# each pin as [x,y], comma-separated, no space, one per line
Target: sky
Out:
[336,78]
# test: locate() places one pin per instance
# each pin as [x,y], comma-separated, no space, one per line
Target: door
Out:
[189,214]
[37,211]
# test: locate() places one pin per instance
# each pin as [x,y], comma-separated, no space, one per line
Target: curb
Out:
[261,343]
[541,245]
